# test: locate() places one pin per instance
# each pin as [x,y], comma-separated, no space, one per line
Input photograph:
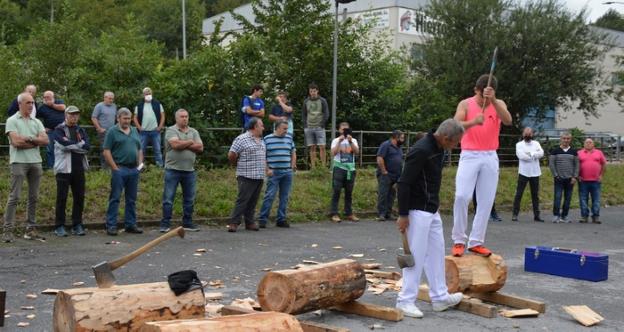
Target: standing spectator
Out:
[52,113]
[253,106]
[494,217]
[315,113]
[419,219]
[14,107]
[482,116]
[592,165]
[26,135]
[343,149]
[389,166]
[529,153]
[149,119]
[282,110]
[122,151]
[281,161]
[182,144]
[71,144]
[248,153]
[103,117]
[564,166]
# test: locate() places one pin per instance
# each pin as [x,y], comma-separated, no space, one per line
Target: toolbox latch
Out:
[583,259]
[536,253]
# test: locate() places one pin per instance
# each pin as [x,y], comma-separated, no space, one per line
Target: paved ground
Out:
[61,262]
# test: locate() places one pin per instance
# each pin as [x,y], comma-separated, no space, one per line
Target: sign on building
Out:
[415,22]
[380,18]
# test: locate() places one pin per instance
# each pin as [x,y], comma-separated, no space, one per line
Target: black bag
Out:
[183,281]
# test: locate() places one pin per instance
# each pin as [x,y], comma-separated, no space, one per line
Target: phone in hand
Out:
[346,132]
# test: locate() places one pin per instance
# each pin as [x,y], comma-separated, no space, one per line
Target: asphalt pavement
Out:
[238,259]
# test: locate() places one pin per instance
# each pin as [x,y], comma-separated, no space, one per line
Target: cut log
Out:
[472,273]
[257,322]
[125,307]
[307,326]
[312,287]
[371,310]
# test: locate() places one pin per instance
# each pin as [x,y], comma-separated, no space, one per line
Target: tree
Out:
[546,58]
[215,7]
[611,20]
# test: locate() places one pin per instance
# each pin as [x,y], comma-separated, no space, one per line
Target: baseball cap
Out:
[72,109]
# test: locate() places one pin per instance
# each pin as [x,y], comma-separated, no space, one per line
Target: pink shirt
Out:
[482,137]
[590,164]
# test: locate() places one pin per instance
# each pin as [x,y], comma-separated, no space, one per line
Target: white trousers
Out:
[426,242]
[477,169]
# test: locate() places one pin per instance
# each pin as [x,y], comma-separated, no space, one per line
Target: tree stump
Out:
[472,273]
[312,288]
[257,322]
[125,307]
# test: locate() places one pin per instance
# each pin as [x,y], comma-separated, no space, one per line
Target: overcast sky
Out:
[594,7]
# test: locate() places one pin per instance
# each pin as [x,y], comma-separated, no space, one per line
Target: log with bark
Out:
[313,287]
[257,322]
[472,273]
[125,307]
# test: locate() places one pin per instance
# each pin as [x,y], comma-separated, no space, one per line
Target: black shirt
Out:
[76,158]
[419,184]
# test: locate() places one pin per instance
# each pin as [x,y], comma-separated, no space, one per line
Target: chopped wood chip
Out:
[214,296]
[357,255]
[201,250]
[310,262]
[216,284]
[22,281]
[369,259]
[27,307]
[583,314]
[31,296]
[31,316]
[377,289]
[318,313]
[382,249]
[23,324]
[371,266]
[376,327]
[266,269]
[113,242]
[314,245]
[247,303]
[519,313]
[6,311]
[78,284]
[49,291]
[217,267]
[197,254]
[213,309]
[337,247]
[298,266]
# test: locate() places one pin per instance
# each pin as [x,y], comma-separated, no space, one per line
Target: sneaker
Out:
[565,220]
[514,218]
[60,231]
[335,218]
[232,228]
[410,310]
[381,218]
[353,218]
[134,229]
[283,225]
[164,229]
[494,217]
[538,219]
[451,301]
[78,230]
[480,250]
[8,237]
[191,228]
[112,231]
[596,220]
[32,234]
[583,220]
[555,219]
[458,249]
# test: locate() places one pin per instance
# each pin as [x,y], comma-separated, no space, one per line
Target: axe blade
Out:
[104,277]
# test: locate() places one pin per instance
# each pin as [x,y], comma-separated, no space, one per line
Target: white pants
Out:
[426,242]
[476,169]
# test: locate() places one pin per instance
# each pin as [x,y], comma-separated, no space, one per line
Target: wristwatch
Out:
[29,139]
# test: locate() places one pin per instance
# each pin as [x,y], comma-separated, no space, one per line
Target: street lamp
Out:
[613,3]
[183,29]
[335,68]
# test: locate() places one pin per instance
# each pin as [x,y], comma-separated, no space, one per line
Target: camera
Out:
[346,132]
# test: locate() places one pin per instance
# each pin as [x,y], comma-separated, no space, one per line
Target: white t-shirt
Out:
[346,151]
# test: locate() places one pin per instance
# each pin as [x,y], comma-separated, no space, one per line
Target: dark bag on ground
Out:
[183,281]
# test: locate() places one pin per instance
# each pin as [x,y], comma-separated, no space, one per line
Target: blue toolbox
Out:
[569,263]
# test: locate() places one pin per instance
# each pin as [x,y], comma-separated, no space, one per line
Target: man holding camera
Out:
[343,149]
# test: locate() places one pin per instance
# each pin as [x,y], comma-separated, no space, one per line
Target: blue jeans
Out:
[587,188]
[187,181]
[127,180]
[152,138]
[282,180]
[565,187]
[50,151]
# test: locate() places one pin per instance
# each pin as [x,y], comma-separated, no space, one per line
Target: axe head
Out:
[103,275]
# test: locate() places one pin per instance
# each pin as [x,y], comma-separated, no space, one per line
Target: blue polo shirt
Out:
[393,158]
[49,116]
[255,104]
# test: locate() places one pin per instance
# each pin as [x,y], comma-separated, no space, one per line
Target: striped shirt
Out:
[564,163]
[279,151]
[251,156]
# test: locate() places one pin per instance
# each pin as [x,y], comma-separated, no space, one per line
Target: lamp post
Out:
[335,69]
[183,29]
[613,3]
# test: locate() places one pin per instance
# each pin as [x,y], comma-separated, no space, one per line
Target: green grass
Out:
[216,192]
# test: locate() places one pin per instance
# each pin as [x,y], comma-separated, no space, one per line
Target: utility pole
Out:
[183,29]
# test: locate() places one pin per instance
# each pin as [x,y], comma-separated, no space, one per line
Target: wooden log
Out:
[125,307]
[312,287]
[384,274]
[2,306]
[469,305]
[307,326]
[511,301]
[257,322]
[472,273]
[371,310]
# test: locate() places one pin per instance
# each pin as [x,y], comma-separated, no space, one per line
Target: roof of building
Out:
[614,37]
[230,24]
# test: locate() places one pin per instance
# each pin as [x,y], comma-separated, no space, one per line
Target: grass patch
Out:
[217,189]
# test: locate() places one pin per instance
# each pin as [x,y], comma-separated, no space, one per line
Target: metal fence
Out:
[217,142]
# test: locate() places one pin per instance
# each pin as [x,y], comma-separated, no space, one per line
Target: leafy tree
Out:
[546,55]
[13,77]
[215,7]
[11,24]
[611,20]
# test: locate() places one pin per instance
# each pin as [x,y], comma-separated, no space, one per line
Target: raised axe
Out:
[104,271]
[405,259]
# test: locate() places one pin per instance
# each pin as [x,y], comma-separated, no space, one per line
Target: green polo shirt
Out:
[180,160]
[124,148]
[24,127]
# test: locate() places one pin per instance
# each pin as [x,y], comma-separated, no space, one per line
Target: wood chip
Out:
[27,307]
[213,296]
[266,269]
[49,291]
[314,245]
[371,266]
[22,281]
[583,314]
[201,250]
[31,296]
[213,309]
[23,324]
[31,316]
[369,259]
[298,266]
[310,262]
[376,327]
[357,255]
[216,284]
[519,313]
[197,254]
[337,247]
[382,249]
[113,242]
[247,303]
[6,311]
[78,284]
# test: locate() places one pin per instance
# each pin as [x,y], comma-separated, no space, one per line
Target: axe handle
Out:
[406,248]
[125,259]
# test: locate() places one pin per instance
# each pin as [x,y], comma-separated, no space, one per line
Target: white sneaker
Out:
[451,301]
[410,310]
[555,219]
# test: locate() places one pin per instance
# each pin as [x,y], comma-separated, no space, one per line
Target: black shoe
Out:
[134,230]
[78,230]
[262,224]
[191,228]
[538,219]
[112,231]
[283,225]
[514,218]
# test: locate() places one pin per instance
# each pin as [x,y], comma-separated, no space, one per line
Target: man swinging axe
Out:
[481,116]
